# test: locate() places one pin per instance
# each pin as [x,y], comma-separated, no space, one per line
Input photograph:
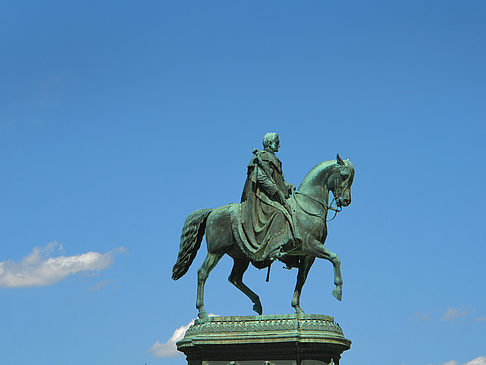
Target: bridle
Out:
[326,207]
[346,186]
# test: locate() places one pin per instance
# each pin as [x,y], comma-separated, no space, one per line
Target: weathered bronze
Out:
[290,229]
[267,219]
[268,339]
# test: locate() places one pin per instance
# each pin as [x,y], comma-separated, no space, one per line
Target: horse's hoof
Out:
[258,308]
[338,293]
[298,310]
[203,317]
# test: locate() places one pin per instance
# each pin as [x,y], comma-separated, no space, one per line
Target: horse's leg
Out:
[202,274]
[236,278]
[304,267]
[318,249]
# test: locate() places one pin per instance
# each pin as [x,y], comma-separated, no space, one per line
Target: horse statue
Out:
[310,204]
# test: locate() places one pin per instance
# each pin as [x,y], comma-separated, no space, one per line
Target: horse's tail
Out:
[192,234]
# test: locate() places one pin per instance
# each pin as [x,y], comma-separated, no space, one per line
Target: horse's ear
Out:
[339,160]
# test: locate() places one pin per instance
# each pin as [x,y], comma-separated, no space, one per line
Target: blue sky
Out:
[118,119]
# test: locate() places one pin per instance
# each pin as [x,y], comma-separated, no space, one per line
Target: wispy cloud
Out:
[420,317]
[100,285]
[39,268]
[481,360]
[451,314]
[169,348]
[477,361]
[452,362]
[479,319]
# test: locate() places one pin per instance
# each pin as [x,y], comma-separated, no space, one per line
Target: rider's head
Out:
[271,142]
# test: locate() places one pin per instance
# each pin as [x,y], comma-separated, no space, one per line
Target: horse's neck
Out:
[316,182]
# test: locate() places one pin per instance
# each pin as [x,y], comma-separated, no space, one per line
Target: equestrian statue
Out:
[274,221]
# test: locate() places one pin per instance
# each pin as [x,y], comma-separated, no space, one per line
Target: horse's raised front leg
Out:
[236,278]
[202,274]
[319,250]
[304,267]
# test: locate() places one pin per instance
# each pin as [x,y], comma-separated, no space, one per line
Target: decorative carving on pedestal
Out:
[277,339]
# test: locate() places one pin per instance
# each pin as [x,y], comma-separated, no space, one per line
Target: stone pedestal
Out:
[292,339]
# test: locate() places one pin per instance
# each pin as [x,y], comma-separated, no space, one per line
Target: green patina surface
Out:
[290,337]
[273,222]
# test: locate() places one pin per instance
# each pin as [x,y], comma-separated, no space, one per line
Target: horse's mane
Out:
[325,165]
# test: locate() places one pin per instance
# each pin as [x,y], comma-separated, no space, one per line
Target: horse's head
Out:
[341,181]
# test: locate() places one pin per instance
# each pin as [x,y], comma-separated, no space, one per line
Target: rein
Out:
[326,207]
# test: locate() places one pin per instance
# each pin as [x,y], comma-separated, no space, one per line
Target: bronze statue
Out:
[228,230]
[267,219]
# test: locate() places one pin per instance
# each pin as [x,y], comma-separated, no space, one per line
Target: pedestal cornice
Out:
[290,336]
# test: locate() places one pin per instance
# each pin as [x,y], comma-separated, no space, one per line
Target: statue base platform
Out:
[291,339]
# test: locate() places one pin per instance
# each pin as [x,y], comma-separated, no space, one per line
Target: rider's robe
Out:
[266,223]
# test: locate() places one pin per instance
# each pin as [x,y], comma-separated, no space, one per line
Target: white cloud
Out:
[452,362]
[452,314]
[39,269]
[478,361]
[169,348]
[479,319]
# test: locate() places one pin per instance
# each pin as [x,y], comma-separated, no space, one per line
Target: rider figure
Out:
[267,213]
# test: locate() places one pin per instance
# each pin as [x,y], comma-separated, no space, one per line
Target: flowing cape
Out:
[261,236]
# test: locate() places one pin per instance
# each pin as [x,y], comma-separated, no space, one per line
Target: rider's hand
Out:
[291,188]
[283,201]
[281,198]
